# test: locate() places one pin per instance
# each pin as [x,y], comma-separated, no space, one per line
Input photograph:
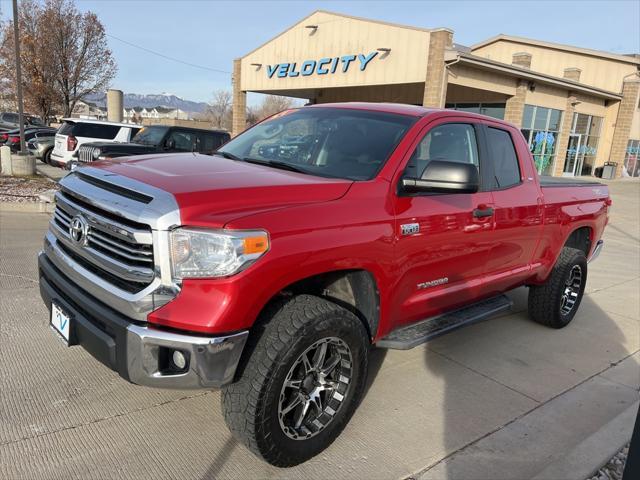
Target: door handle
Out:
[483,211]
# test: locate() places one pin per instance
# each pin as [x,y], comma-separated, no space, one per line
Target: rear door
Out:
[443,240]
[518,208]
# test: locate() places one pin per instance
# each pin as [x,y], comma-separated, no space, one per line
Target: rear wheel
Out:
[555,303]
[46,158]
[300,382]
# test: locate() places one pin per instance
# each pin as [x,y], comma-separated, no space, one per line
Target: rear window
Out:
[91,130]
[10,117]
[505,160]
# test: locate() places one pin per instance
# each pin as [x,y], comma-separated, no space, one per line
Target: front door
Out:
[443,240]
[575,156]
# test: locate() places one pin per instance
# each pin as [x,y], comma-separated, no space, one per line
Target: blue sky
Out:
[213,33]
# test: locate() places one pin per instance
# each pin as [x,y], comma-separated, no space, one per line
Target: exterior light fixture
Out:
[257,65]
[384,50]
[312,27]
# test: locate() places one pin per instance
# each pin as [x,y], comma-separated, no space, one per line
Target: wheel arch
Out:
[580,238]
[356,290]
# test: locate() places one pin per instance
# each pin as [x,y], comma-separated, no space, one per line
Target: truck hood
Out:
[211,191]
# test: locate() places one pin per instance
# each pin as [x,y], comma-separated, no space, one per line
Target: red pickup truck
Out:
[271,268]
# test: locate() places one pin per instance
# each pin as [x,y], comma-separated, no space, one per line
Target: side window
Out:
[183,141]
[95,130]
[453,142]
[505,160]
[209,142]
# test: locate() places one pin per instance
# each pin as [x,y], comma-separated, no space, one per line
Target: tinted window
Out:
[453,142]
[150,135]
[505,160]
[66,128]
[183,141]
[209,142]
[331,142]
[96,130]
[11,117]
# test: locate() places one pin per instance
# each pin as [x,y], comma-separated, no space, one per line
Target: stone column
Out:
[628,104]
[515,104]
[435,85]
[239,108]
[563,137]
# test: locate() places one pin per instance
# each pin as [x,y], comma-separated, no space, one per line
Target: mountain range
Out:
[151,100]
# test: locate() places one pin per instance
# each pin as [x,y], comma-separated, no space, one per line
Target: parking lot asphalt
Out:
[506,398]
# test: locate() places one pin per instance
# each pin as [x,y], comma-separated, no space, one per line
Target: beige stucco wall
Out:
[547,96]
[598,72]
[466,76]
[336,36]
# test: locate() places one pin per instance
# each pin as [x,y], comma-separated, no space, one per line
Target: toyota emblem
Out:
[78,229]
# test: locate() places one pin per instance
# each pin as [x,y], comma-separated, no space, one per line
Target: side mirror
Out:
[444,177]
[170,144]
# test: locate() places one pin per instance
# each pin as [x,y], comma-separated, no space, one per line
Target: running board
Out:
[421,332]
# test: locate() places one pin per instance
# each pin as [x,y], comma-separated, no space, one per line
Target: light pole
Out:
[16,41]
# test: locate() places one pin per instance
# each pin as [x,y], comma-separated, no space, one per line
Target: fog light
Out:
[179,359]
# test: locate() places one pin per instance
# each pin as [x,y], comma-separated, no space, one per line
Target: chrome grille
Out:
[120,250]
[85,153]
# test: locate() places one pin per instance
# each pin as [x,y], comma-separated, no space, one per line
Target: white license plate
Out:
[60,321]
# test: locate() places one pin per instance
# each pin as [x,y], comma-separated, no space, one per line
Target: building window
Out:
[632,158]
[583,144]
[540,127]
[495,110]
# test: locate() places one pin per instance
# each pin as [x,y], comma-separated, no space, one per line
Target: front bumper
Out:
[139,353]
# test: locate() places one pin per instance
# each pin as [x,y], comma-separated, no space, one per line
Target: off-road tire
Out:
[283,332]
[545,301]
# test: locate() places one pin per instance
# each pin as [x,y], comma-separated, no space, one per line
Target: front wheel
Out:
[300,382]
[555,303]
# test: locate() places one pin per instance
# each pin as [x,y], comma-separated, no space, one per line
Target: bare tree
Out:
[65,55]
[272,104]
[38,67]
[83,60]
[219,110]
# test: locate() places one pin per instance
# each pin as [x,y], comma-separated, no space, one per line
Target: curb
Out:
[595,450]
[27,207]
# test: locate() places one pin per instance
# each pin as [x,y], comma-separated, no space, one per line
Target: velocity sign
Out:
[324,66]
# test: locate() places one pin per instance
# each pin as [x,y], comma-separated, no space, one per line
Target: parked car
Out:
[270,268]
[10,120]
[75,132]
[41,147]
[156,139]
[29,134]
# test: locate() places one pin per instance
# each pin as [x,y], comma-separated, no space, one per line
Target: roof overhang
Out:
[513,71]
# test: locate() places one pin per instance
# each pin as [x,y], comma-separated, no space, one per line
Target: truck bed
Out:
[546,181]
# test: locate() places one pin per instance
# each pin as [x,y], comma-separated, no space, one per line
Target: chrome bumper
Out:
[139,353]
[212,361]
[596,251]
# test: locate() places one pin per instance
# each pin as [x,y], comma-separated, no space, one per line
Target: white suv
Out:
[75,131]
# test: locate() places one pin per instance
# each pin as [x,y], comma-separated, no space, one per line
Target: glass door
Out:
[573,156]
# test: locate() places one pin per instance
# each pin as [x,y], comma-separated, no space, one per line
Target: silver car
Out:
[41,148]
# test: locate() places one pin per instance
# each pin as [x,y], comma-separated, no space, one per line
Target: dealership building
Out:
[578,108]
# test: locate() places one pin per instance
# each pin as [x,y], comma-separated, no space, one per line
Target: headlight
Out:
[199,253]
[96,153]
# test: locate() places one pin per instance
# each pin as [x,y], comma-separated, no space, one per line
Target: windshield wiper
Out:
[228,155]
[275,164]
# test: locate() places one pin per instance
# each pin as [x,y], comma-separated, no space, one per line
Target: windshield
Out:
[34,121]
[330,142]
[150,135]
